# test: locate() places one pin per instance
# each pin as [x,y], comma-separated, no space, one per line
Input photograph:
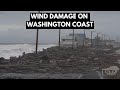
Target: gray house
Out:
[68,40]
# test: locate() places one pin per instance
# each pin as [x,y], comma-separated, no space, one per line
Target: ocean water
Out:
[8,50]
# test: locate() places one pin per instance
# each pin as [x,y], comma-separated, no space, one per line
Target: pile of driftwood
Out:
[57,59]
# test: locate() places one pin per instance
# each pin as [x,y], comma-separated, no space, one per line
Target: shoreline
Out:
[12,50]
[29,43]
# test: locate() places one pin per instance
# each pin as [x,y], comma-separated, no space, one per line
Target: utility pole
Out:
[59,37]
[109,40]
[97,39]
[102,39]
[105,39]
[84,38]
[73,40]
[37,38]
[91,39]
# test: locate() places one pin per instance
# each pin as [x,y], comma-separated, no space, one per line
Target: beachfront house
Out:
[68,40]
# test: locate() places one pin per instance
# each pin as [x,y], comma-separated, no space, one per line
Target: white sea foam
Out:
[7,51]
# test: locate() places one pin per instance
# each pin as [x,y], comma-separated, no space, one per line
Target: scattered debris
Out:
[61,60]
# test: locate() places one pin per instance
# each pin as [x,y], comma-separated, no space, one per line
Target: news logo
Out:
[112,70]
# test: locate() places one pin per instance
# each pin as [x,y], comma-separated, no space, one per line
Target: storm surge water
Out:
[8,50]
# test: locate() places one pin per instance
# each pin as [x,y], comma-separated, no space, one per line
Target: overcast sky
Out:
[13,27]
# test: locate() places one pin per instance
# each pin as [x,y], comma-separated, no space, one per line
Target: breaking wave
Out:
[7,51]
